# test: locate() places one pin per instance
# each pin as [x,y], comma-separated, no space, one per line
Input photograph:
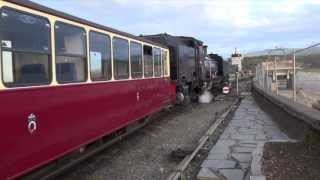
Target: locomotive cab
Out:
[187,56]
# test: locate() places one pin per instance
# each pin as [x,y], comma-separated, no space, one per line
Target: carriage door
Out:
[136,74]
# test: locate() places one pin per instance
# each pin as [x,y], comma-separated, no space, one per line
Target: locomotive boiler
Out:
[192,69]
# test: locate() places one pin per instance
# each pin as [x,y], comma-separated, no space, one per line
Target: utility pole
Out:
[275,73]
[294,75]
[263,77]
[260,75]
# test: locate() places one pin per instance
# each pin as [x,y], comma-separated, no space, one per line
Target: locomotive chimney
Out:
[205,48]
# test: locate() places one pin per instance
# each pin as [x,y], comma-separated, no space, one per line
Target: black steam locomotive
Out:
[192,69]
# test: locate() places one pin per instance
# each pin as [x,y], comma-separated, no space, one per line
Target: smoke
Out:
[206,97]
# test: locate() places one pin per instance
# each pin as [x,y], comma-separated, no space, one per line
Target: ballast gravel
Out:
[147,153]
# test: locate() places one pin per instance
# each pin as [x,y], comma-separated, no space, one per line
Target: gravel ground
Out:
[146,154]
[291,161]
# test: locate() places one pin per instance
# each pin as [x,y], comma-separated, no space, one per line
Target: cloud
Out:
[221,24]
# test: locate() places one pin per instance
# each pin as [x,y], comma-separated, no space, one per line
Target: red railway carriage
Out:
[66,82]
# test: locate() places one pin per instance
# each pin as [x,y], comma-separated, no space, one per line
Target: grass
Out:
[313,138]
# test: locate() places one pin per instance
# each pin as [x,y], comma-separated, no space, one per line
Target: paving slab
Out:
[256,164]
[243,137]
[257,178]
[239,149]
[242,157]
[217,156]
[252,144]
[245,166]
[207,174]
[220,149]
[219,164]
[232,174]
[263,137]
[226,143]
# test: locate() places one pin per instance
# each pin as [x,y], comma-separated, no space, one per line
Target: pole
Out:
[294,75]
[266,77]
[237,74]
[259,74]
[275,73]
[262,76]
[256,77]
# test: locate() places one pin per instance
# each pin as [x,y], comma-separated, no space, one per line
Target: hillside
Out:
[309,61]
[282,51]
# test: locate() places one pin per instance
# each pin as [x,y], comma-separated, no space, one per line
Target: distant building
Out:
[236,60]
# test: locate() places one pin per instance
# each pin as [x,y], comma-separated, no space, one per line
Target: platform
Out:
[238,151]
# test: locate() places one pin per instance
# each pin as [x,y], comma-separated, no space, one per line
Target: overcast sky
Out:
[223,25]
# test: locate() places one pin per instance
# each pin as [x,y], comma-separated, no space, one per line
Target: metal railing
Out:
[293,73]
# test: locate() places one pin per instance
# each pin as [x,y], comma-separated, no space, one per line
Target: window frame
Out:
[49,53]
[111,55]
[52,54]
[154,50]
[165,63]
[115,77]
[142,60]
[85,57]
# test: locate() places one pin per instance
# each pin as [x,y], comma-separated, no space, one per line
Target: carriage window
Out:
[147,60]
[25,54]
[100,57]
[121,58]
[70,53]
[157,62]
[165,62]
[136,59]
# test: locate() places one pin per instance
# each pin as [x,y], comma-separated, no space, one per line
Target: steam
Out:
[206,97]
